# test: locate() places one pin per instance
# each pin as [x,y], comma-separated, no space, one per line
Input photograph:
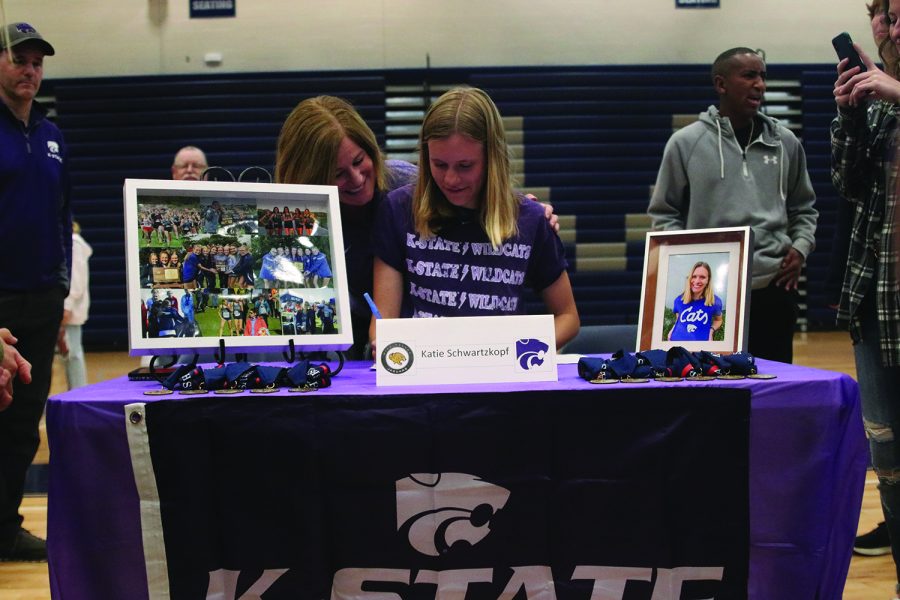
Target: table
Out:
[807,464]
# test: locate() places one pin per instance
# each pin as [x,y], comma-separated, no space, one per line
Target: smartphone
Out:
[843,45]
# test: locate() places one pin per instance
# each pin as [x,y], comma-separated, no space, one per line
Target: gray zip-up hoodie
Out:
[706,180]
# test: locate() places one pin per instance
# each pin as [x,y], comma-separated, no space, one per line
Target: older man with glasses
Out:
[189,164]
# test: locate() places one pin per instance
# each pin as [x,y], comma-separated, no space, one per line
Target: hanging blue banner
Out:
[696,3]
[202,9]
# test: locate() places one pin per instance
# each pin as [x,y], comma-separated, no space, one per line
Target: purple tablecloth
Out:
[807,469]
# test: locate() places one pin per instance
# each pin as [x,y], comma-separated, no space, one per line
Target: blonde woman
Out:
[698,311]
[461,242]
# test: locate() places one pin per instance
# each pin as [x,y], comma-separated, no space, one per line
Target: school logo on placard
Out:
[531,353]
[397,358]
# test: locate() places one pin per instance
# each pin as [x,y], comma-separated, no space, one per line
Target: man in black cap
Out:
[36,225]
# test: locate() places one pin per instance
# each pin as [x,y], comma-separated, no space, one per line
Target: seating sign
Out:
[465,350]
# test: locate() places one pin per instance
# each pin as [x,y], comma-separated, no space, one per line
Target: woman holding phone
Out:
[863,169]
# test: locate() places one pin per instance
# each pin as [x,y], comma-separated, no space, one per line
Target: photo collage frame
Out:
[254,265]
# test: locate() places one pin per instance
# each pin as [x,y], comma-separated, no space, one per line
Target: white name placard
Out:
[465,350]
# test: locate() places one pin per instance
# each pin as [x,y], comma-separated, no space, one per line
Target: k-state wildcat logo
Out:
[53,150]
[438,510]
[531,353]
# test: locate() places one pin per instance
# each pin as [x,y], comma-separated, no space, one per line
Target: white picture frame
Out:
[163,215]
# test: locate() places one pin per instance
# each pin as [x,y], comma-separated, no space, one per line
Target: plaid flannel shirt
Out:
[864,171]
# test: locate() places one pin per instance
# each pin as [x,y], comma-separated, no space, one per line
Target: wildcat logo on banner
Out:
[439,510]
[536,496]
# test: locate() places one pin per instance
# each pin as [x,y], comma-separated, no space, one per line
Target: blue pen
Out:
[372,305]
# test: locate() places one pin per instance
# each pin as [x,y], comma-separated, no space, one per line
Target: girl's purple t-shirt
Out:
[457,273]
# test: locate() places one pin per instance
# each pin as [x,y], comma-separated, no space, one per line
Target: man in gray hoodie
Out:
[737,167]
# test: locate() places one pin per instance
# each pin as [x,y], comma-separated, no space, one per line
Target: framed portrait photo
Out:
[255,265]
[696,290]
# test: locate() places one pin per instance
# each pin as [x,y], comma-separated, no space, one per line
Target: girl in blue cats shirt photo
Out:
[698,312]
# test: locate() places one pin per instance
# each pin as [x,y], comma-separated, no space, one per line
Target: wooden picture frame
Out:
[670,259]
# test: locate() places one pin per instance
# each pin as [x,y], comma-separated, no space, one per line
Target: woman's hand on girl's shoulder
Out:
[551,217]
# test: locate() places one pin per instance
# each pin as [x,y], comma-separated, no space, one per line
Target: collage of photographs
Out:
[233,267]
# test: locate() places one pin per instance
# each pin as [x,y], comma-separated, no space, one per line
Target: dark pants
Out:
[34,318]
[773,319]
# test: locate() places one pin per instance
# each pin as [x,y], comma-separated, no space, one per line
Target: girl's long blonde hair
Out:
[470,112]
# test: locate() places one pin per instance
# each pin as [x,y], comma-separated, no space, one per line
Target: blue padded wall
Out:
[132,127]
[593,136]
